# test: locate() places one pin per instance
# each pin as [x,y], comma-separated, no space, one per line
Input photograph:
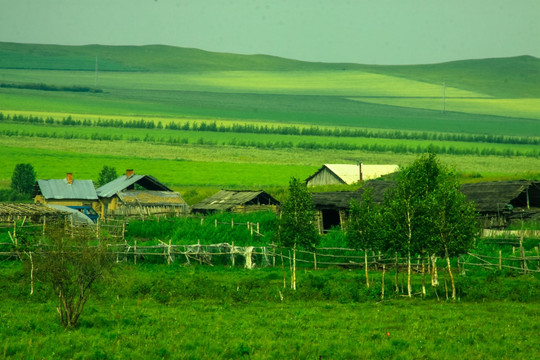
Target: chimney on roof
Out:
[69,178]
[129,172]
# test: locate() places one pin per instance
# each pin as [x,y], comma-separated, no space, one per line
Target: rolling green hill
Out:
[502,77]
[483,99]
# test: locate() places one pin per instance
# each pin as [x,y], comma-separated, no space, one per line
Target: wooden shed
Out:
[132,194]
[500,202]
[338,174]
[332,207]
[237,201]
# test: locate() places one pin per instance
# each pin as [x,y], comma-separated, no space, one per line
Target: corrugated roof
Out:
[350,174]
[146,181]
[60,189]
[227,199]
[150,197]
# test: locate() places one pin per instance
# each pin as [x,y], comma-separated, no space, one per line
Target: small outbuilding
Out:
[332,207]
[338,174]
[132,194]
[66,192]
[499,202]
[237,201]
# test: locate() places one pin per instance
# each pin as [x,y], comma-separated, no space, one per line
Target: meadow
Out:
[399,105]
[195,312]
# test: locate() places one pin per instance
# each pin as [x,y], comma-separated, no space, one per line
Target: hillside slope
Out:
[517,77]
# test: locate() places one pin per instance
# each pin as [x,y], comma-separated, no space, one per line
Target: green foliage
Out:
[106,175]
[71,267]
[143,307]
[364,226]
[297,222]
[23,179]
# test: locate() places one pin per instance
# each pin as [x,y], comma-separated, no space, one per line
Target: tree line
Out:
[213,126]
[48,87]
[397,148]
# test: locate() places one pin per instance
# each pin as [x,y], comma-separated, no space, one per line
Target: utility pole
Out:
[443,97]
[96,74]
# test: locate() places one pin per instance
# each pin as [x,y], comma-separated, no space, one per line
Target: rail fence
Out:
[271,255]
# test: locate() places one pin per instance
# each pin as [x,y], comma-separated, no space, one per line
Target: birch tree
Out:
[297,224]
[454,222]
[364,227]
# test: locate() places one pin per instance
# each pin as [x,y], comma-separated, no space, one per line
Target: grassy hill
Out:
[485,98]
[502,77]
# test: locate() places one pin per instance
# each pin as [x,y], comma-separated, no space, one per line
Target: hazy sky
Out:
[360,31]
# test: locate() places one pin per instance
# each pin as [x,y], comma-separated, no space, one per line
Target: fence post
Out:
[315,259]
[44,224]
[538,256]
[232,223]
[169,259]
[500,259]
[199,251]
[232,253]
[215,223]
[273,254]
[135,253]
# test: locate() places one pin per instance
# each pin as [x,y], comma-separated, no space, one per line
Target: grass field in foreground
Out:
[207,313]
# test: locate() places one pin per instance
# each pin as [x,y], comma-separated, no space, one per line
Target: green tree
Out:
[427,214]
[71,267]
[455,225]
[364,226]
[106,175]
[23,179]
[297,222]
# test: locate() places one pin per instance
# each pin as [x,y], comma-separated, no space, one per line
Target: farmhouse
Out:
[335,174]
[66,192]
[332,207]
[500,202]
[237,201]
[133,194]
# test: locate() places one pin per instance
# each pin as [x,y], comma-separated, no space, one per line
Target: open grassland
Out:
[523,108]
[494,97]
[158,311]
[228,166]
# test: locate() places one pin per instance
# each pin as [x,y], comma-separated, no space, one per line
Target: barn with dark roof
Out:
[499,202]
[333,207]
[237,201]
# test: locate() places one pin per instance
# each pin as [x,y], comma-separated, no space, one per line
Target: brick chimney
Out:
[129,172]
[69,178]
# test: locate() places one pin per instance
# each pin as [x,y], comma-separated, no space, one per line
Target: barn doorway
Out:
[330,218]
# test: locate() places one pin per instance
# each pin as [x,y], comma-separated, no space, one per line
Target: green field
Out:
[492,97]
[178,312]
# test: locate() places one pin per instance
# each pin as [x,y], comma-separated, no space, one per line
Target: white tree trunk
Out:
[409,287]
[366,267]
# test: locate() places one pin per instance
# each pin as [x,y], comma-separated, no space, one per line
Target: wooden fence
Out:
[520,259]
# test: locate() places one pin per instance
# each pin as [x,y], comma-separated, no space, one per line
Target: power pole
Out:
[96,74]
[443,97]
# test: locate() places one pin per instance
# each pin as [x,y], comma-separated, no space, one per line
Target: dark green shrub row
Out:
[269,145]
[280,130]
[48,87]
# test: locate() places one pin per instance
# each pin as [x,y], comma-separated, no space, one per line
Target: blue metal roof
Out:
[123,182]
[60,189]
